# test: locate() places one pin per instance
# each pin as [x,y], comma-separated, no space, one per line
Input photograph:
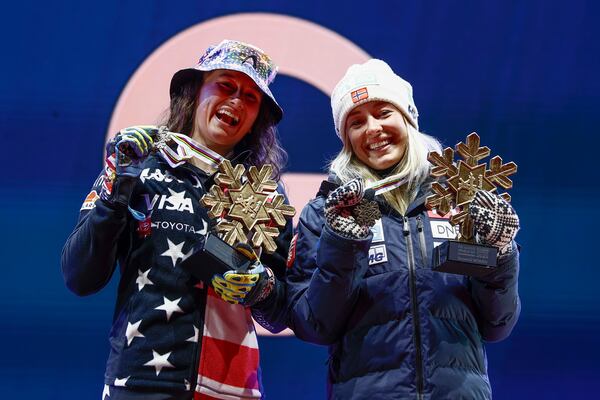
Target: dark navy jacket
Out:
[153,288]
[395,328]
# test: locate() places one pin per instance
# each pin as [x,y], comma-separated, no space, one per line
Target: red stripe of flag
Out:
[203,396]
[230,363]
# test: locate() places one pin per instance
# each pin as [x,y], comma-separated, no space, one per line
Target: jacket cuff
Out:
[122,189]
[507,267]
[342,251]
[514,250]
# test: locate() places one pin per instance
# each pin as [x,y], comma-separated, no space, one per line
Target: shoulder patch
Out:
[90,201]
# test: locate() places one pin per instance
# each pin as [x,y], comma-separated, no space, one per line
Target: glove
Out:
[124,156]
[339,208]
[245,287]
[495,221]
[132,146]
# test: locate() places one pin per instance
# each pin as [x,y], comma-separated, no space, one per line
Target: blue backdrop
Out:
[522,74]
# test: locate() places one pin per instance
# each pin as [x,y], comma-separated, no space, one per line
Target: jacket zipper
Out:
[415,309]
[422,242]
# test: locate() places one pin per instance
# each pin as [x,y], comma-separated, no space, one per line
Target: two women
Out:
[395,328]
[172,336]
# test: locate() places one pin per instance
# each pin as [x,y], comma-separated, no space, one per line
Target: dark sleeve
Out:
[89,256]
[497,298]
[271,313]
[323,282]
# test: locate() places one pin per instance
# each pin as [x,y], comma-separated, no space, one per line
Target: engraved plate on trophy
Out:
[453,195]
[247,209]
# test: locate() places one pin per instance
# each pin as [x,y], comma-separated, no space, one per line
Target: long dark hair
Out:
[262,141]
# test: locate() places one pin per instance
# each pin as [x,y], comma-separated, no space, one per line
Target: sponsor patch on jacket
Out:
[176,201]
[377,254]
[158,175]
[441,229]
[90,201]
[377,230]
[292,252]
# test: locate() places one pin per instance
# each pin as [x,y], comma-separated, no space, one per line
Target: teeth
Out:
[378,145]
[226,112]
[227,117]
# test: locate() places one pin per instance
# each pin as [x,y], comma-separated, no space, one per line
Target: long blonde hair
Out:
[413,166]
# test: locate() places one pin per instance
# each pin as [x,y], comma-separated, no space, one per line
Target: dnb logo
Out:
[441,229]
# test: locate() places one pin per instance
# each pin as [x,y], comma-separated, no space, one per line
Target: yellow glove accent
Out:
[234,286]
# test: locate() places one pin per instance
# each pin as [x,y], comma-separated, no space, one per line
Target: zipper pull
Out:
[419,224]
[406,227]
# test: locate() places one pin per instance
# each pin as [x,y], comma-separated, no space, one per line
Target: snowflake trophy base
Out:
[215,258]
[463,258]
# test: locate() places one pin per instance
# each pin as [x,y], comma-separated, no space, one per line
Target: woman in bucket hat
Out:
[395,328]
[173,337]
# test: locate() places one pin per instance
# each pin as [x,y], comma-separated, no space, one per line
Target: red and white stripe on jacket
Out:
[229,358]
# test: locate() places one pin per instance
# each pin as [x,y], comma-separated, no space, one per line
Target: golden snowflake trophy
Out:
[248,210]
[463,179]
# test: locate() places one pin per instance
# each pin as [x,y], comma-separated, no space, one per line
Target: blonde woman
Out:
[395,328]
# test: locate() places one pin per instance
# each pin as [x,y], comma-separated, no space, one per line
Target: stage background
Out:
[522,74]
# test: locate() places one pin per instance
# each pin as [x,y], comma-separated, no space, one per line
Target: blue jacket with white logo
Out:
[156,336]
[395,328]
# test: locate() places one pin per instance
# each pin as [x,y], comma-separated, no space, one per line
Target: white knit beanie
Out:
[372,81]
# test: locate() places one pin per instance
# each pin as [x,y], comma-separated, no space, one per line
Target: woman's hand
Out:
[131,147]
[338,210]
[495,221]
[245,287]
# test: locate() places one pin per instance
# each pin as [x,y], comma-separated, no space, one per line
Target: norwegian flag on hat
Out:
[359,94]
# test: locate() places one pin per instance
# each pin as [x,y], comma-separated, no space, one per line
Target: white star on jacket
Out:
[170,307]
[106,392]
[202,232]
[121,382]
[198,184]
[195,337]
[142,279]
[174,251]
[176,198]
[159,361]
[133,331]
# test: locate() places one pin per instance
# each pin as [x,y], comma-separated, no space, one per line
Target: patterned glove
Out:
[132,145]
[338,210]
[496,222]
[245,287]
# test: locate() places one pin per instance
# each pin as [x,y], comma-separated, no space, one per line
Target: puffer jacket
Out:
[395,328]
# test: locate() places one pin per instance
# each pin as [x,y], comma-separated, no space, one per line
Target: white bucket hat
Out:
[237,56]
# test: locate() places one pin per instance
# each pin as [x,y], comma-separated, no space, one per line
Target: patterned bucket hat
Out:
[236,56]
